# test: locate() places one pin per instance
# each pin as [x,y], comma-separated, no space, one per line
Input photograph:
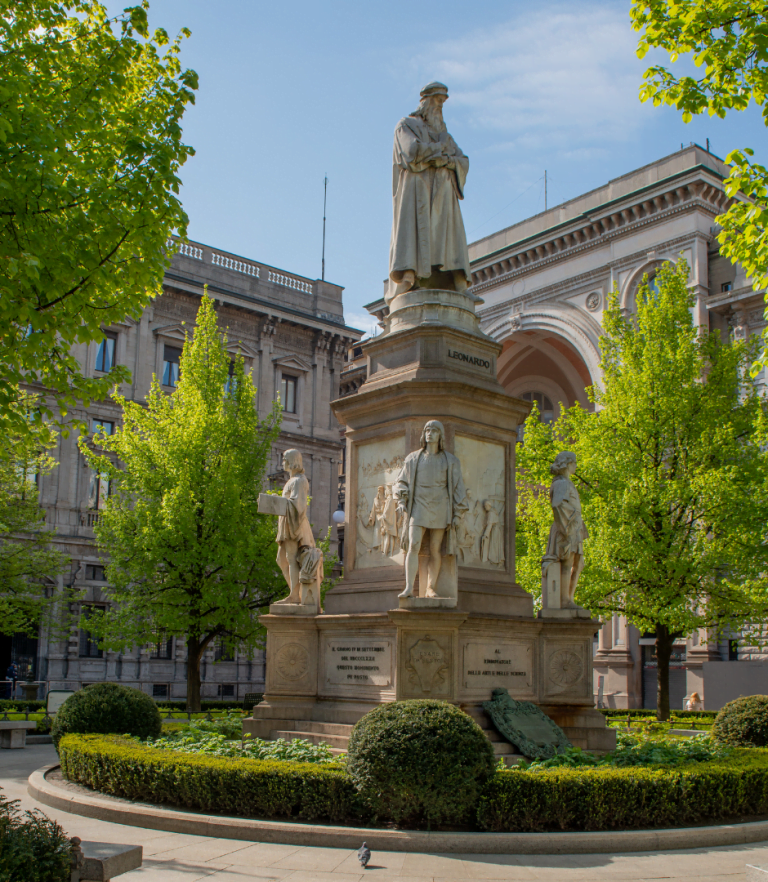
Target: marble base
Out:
[427,602]
[575,613]
[293,609]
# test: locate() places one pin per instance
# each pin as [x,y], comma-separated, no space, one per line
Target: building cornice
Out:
[601,226]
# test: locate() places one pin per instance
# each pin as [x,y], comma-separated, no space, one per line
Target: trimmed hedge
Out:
[252,788]
[743,722]
[420,762]
[620,798]
[604,798]
[108,708]
[619,714]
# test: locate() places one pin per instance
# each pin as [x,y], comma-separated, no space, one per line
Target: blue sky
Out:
[290,92]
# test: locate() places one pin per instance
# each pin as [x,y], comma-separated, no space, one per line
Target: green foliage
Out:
[27,555]
[246,787]
[610,798]
[728,41]
[222,738]
[743,722]
[90,148]
[671,470]
[637,751]
[189,554]
[107,708]
[419,762]
[33,848]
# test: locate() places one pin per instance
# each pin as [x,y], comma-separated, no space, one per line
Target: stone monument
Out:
[428,606]
[563,561]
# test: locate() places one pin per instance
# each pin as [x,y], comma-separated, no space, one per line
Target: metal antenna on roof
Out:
[545,189]
[325,199]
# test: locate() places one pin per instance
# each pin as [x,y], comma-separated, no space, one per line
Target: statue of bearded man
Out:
[429,245]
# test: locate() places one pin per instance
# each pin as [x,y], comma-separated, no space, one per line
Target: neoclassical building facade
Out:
[291,333]
[543,285]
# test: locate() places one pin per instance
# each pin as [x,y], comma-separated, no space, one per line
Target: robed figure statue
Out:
[429,245]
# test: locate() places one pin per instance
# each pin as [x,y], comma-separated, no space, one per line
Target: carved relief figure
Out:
[429,245]
[568,532]
[375,517]
[298,558]
[467,533]
[430,494]
[389,533]
[492,546]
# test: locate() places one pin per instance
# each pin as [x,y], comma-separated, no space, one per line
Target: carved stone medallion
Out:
[593,301]
[565,668]
[292,661]
[526,726]
[426,664]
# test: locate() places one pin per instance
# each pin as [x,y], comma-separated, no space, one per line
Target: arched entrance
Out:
[548,359]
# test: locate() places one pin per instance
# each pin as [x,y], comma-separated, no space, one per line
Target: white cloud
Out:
[562,75]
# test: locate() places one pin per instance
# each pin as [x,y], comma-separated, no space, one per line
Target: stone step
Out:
[339,741]
[324,728]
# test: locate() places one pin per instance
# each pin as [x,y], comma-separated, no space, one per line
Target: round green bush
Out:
[420,762]
[107,708]
[743,722]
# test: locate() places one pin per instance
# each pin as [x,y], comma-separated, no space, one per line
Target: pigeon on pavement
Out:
[364,855]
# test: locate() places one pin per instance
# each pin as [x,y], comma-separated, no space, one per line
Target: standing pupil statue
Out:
[564,559]
[431,497]
[429,246]
[299,559]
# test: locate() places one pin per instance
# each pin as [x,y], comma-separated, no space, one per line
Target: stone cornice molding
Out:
[292,362]
[598,228]
[584,282]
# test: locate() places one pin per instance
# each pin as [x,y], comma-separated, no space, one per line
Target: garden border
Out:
[153,817]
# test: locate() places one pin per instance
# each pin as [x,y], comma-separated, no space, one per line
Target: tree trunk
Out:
[194,654]
[664,643]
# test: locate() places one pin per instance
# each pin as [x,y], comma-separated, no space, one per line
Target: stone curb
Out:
[106,808]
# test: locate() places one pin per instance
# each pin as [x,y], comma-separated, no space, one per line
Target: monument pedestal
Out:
[369,646]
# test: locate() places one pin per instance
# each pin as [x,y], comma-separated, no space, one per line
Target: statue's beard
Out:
[432,114]
[433,117]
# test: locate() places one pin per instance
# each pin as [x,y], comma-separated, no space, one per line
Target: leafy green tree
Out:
[728,42]
[90,147]
[672,470]
[188,554]
[27,555]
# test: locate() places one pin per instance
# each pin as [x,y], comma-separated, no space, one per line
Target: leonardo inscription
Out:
[490,664]
[469,359]
[359,662]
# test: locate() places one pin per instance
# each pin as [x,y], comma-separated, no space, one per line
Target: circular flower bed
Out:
[564,797]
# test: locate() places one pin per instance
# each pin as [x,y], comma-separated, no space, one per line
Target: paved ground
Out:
[175,857]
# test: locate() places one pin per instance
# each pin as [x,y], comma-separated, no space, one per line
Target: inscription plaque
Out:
[359,662]
[489,664]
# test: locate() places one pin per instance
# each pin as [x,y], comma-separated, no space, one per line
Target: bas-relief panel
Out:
[481,535]
[378,524]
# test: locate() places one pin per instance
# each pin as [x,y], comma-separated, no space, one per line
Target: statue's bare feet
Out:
[409,279]
[430,593]
[407,593]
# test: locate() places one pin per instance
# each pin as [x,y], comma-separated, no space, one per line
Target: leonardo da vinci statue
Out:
[429,245]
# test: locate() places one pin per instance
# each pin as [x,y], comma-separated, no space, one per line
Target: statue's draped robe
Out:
[567,534]
[427,227]
[295,526]
[431,506]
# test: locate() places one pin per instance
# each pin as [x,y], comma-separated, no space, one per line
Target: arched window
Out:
[546,410]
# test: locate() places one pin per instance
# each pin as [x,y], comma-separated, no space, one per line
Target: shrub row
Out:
[554,799]
[253,788]
[618,713]
[620,798]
